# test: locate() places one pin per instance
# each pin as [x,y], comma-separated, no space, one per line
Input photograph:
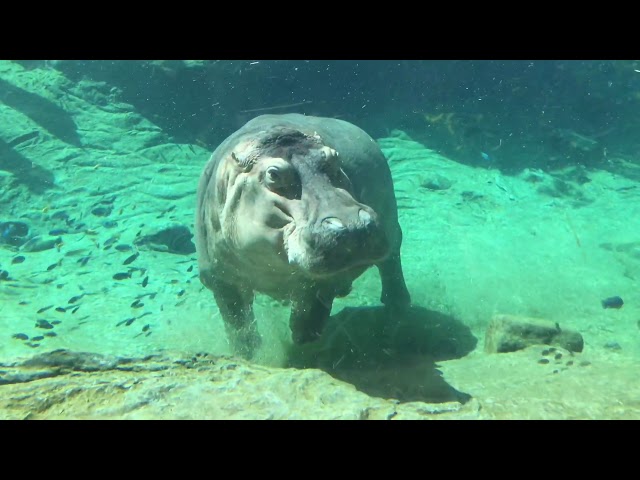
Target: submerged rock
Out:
[14,233]
[509,333]
[436,182]
[172,239]
[40,244]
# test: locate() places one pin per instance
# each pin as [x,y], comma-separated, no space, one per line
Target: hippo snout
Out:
[364,219]
[354,238]
[333,223]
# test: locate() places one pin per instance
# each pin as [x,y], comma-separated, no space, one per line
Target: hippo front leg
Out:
[236,309]
[394,290]
[309,313]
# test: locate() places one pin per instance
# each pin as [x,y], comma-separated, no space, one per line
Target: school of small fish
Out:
[94,258]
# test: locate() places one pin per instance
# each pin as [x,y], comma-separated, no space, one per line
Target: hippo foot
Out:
[244,342]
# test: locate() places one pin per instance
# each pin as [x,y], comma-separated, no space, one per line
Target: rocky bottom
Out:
[539,382]
[75,385]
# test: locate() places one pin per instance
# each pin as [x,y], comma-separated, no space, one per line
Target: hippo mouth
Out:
[321,253]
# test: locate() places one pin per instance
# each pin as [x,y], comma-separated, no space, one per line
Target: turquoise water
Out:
[517,191]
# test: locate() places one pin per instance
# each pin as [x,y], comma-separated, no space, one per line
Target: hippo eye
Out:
[282,181]
[273,174]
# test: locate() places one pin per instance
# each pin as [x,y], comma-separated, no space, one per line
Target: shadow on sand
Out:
[390,355]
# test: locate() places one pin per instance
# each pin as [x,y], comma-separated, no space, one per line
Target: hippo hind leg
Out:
[236,309]
[394,289]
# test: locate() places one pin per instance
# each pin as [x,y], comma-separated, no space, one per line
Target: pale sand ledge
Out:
[207,388]
[504,386]
[599,385]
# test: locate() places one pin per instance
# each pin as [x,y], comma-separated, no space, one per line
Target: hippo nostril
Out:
[365,217]
[333,223]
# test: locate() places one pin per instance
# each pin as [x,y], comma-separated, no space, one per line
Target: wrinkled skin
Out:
[295,207]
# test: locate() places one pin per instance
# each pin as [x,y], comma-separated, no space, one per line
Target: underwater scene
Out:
[318,239]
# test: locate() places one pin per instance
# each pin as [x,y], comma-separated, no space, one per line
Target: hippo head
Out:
[287,202]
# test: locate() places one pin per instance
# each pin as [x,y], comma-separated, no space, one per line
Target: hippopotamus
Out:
[295,207]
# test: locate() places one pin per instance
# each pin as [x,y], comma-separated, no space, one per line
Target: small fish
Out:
[38,338]
[61,309]
[180,293]
[146,327]
[18,259]
[75,310]
[44,309]
[190,260]
[42,323]
[50,334]
[145,282]
[56,322]
[73,253]
[53,265]
[76,298]
[485,156]
[128,321]
[60,215]
[137,304]
[190,269]
[131,258]
[612,302]
[123,248]
[20,336]
[122,276]
[111,241]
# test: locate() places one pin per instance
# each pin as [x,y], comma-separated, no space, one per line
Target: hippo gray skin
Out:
[295,207]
